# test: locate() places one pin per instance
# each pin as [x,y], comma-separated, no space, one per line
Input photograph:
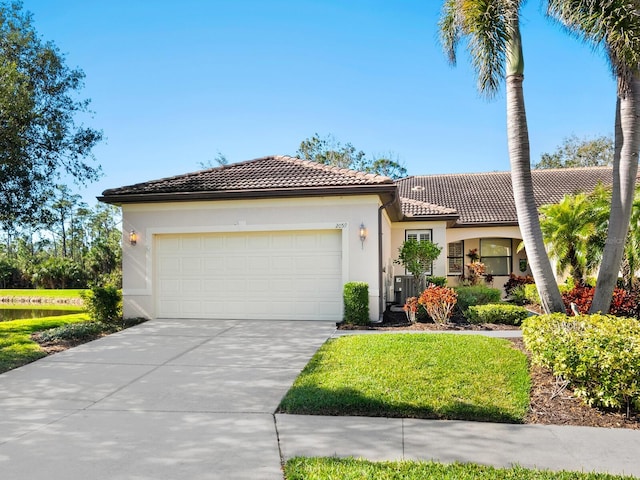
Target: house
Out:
[278,237]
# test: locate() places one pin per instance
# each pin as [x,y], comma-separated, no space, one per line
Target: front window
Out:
[455,258]
[421,236]
[495,253]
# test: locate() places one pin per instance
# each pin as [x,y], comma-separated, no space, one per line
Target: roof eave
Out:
[507,223]
[123,198]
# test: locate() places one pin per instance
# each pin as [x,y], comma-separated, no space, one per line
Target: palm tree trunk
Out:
[625,170]
[522,184]
[520,158]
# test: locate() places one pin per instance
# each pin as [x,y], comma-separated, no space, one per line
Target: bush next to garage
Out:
[356,303]
[104,304]
[599,355]
[497,313]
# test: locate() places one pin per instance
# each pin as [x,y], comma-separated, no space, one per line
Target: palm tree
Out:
[573,229]
[492,31]
[614,25]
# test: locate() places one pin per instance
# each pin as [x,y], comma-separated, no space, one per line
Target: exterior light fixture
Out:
[133,238]
[363,234]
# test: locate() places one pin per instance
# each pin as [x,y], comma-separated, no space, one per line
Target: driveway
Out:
[168,399]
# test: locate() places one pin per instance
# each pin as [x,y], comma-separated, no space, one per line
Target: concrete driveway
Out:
[168,399]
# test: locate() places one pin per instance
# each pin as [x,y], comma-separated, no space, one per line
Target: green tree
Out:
[614,26]
[328,151]
[418,257]
[491,29]
[573,230]
[631,259]
[39,139]
[579,152]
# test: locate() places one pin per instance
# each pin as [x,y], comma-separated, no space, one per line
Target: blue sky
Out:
[174,82]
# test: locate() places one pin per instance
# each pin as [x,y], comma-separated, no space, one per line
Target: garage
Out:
[278,275]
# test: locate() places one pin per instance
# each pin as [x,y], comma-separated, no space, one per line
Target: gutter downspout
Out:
[380,273]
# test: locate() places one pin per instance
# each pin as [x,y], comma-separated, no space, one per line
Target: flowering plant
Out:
[411,308]
[439,302]
[473,255]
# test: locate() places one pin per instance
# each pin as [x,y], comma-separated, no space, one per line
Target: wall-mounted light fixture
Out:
[133,238]
[363,234]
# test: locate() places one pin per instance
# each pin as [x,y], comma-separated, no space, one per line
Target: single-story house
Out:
[278,237]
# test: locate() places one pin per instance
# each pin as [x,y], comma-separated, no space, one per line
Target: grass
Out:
[412,375]
[352,469]
[16,346]
[39,306]
[48,293]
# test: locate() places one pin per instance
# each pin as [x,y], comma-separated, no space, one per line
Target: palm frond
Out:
[613,25]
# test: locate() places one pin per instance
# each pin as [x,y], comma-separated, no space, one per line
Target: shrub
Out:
[518,295]
[531,293]
[598,354]
[476,295]
[497,313]
[104,304]
[438,281]
[516,281]
[73,331]
[438,302]
[623,303]
[356,303]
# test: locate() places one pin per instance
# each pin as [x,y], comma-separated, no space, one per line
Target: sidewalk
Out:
[552,447]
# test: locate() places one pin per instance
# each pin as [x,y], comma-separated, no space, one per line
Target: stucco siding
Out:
[345,214]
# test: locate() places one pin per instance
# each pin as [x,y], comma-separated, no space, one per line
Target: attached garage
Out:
[279,275]
[275,238]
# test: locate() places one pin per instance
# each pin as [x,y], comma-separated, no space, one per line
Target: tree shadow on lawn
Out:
[311,400]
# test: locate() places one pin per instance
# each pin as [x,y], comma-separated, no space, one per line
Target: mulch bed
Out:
[551,401]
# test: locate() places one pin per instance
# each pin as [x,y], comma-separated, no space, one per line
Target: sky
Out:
[172,83]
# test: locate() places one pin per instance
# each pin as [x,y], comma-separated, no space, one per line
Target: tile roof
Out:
[487,198]
[263,174]
[416,208]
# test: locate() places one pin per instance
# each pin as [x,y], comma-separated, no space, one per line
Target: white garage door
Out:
[254,275]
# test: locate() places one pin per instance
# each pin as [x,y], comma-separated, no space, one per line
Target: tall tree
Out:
[492,31]
[579,152]
[614,25]
[329,151]
[39,138]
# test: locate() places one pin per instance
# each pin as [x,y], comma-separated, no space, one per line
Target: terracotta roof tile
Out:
[488,197]
[416,208]
[267,173]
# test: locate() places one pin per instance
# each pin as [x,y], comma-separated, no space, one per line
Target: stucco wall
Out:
[360,260]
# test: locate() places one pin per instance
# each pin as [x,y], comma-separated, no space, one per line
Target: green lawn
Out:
[40,306]
[351,469]
[414,375]
[16,346]
[48,293]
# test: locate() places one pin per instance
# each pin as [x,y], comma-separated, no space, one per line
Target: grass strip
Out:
[445,376]
[351,469]
[16,346]
[48,293]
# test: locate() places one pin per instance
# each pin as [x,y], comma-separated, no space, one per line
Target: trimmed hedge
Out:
[103,304]
[476,295]
[356,303]
[598,354]
[497,313]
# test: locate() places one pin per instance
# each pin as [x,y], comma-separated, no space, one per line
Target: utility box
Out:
[403,288]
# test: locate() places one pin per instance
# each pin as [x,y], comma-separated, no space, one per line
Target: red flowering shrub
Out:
[623,304]
[438,302]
